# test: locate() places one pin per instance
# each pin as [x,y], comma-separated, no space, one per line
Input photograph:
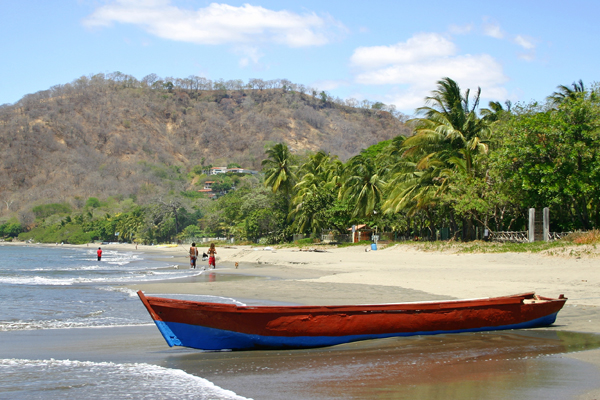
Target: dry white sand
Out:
[446,274]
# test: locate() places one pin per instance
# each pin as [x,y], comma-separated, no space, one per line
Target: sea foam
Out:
[59,379]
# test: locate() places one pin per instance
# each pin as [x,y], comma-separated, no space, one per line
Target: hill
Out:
[107,135]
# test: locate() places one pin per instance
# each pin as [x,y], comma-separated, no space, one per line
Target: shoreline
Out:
[442,274]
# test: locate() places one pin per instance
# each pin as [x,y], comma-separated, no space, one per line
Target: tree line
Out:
[463,167]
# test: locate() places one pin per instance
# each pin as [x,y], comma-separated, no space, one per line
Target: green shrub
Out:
[69,233]
[198,170]
[46,210]
[92,202]
[10,229]
[192,194]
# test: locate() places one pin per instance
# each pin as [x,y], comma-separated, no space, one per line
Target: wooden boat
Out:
[216,326]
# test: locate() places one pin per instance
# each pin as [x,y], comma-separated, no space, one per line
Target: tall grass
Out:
[554,247]
[590,237]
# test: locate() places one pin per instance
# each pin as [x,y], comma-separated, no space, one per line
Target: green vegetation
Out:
[46,210]
[464,169]
[92,202]
[10,229]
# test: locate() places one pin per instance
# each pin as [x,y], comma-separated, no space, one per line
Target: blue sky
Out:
[381,50]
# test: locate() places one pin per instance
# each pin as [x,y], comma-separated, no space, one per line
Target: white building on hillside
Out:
[218,170]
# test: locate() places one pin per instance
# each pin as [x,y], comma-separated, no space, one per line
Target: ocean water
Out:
[44,288]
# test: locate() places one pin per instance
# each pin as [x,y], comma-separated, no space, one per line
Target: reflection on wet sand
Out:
[212,276]
[467,366]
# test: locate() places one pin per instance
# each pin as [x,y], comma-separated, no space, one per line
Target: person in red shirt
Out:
[99,253]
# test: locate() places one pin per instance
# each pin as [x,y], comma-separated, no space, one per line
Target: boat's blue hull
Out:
[199,337]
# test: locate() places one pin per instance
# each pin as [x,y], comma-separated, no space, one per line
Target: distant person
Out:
[212,256]
[193,255]
[99,252]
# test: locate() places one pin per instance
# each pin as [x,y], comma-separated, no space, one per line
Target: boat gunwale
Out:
[389,307]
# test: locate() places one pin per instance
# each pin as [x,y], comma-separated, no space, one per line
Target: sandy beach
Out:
[398,273]
[352,275]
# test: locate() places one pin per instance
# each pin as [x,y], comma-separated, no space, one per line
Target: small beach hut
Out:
[360,232]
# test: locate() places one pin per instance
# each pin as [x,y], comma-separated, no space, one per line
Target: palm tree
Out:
[495,110]
[416,185]
[279,174]
[130,224]
[320,170]
[320,177]
[363,186]
[565,93]
[448,136]
[450,127]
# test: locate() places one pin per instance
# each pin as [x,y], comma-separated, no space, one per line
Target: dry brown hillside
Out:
[101,136]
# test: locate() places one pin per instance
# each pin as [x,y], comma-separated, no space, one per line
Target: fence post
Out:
[531,232]
[546,224]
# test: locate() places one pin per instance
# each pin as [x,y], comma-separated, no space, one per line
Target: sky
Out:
[389,51]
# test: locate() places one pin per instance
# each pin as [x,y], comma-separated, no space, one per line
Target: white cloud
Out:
[493,29]
[416,69]
[409,99]
[525,42]
[218,23]
[420,47]
[483,68]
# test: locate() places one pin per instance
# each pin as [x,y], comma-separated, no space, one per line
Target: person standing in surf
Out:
[212,256]
[193,255]
[99,252]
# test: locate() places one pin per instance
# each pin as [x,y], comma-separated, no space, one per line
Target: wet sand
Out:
[526,364]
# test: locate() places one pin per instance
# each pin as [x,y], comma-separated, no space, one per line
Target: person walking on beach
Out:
[212,254]
[193,255]
[99,252]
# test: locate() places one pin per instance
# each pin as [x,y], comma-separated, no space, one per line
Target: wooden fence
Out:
[523,236]
[507,236]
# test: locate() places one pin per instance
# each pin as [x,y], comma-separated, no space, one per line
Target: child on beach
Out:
[193,255]
[99,252]
[212,253]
